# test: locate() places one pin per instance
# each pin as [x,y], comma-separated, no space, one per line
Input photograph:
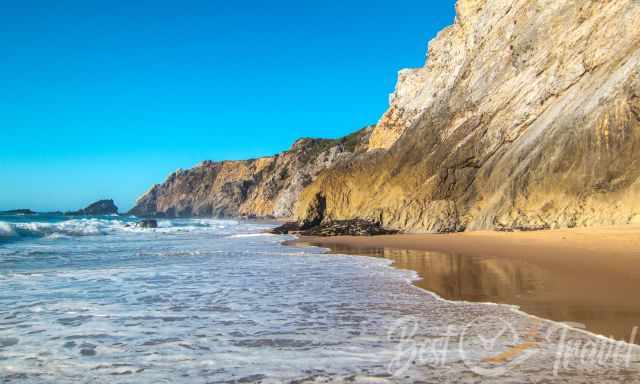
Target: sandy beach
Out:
[587,276]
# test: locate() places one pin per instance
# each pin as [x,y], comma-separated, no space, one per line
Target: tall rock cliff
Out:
[267,186]
[526,115]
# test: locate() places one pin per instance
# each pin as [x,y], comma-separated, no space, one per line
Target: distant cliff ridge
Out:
[526,115]
[268,186]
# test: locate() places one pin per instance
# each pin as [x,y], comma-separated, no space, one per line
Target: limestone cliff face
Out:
[526,115]
[268,186]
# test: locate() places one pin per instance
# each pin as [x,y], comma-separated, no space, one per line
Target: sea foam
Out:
[7,230]
[64,229]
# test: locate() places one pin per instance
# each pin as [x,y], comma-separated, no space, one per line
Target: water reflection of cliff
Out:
[600,301]
[458,277]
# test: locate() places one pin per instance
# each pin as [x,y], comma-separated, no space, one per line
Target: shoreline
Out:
[584,275]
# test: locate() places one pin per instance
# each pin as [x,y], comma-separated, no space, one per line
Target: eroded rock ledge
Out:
[335,228]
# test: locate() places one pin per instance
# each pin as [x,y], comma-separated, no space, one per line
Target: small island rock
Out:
[102,207]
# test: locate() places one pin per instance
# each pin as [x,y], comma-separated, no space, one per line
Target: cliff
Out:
[525,116]
[263,187]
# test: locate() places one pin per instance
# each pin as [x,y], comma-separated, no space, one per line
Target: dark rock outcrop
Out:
[348,228]
[315,212]
[150,223]
[287,228]
[335,228]
[102,207]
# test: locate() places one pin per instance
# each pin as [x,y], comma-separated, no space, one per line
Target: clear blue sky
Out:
[105,98]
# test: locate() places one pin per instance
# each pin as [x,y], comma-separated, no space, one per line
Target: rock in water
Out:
[88,351]
[286,228]
[102,207]
[150,223]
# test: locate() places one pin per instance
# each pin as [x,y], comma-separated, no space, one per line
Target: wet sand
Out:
[589,276]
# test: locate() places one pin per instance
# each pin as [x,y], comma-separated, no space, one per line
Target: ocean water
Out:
[97,300]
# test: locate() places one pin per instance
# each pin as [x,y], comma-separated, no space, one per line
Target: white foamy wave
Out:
[81,227]
[242,235]
[164,223]
[57,236]
[7,230]
[101,227]
[212,222]
[178,226]
[170,253]
[196,223]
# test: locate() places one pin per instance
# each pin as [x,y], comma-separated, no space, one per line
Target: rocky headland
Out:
[264,187]
[102,207]
[525,116]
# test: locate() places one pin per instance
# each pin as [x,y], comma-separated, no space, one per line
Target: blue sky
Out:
[105,98]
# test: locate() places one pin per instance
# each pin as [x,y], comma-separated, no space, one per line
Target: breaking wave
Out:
[245,235]
[6,230]
[101,227]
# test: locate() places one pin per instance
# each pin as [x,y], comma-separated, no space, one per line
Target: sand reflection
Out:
[606,305]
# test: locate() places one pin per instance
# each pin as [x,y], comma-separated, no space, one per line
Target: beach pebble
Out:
[88,352]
